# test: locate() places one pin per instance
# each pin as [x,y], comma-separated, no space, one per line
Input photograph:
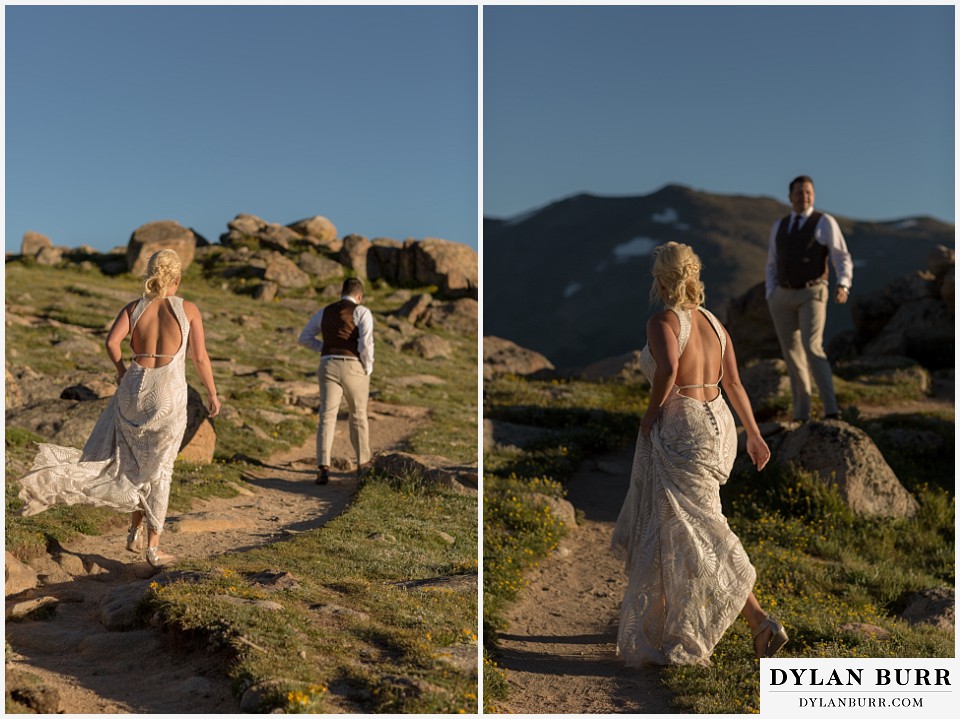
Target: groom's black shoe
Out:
[323,475]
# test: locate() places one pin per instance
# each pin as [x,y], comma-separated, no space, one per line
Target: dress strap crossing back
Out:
[685,317]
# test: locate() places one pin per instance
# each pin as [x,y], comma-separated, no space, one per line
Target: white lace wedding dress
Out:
[127,463]
[689,576]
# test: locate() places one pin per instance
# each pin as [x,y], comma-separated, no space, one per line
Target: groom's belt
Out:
[803,285]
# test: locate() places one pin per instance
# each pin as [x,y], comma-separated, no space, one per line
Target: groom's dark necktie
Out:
[796,226]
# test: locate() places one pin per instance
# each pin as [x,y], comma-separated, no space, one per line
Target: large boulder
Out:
[162,235]
[460,316]
[503,357]
[922,330]
[765,382]
[18,577]
[451,266]
[383,259]
[50,256]
[277,237]
[871,312]
[432,469]
[935,606]
[845,456]
[622,368]
[320,268]
[316,230]
[429,347]
[33,242]
[750,326]
[284,272]
[413,309]
[353,254]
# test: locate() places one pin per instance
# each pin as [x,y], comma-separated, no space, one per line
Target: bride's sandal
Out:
[158,559]
[135,539]
[768,646]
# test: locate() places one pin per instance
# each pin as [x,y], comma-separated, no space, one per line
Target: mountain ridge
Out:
[580,262]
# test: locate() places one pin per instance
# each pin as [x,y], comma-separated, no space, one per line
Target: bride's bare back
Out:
[701,361]
[157,336]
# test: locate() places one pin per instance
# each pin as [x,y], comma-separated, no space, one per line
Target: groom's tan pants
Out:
[342,377]
[799,317]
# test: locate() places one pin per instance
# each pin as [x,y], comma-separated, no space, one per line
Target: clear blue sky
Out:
[738,100]
[118,116]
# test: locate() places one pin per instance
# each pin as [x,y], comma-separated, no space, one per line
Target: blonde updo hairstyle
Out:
[163,270]
[676,276]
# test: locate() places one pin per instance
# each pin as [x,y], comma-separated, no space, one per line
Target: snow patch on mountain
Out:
[637,247]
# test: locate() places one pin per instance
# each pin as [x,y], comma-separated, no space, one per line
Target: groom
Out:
[346,362]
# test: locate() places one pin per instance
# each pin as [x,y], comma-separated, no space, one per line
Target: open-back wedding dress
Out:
[127,463]
[689,576]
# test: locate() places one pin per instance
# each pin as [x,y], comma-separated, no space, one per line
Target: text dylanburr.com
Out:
[858,687]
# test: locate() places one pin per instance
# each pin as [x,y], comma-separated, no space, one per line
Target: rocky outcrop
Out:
[162,235]
[435,470]
[622,368]
[751,327]
[353,255]
[503,357]
[318,231]
[429,347]
[913,316]
[33,242]
[284,272]
[320,268]
[935,606]
[845,456]
[765,382]
[451,266]
[460,316]
[18,577]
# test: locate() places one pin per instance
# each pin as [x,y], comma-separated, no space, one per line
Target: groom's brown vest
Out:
[801,260]
[340,334]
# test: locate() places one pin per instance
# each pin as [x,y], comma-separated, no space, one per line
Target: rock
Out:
[353,255]
[886,370]
[118,609]
[29,691]
[18,577]
[78,346]
[383,259]
[320,268]
[462,657]
[507,434]
[163,235]
[264,604]
[750,326]
[865,631]
[844,456]
[246,225]
[765,381]
[452,266]
[940,260]
[202,445]
[429,347]
[433,470]
[414,308]
[285,273]
[503,357]
[33,242]
[922,330]
[72,564]
[78,392]
[318,230]
[195,686]
[446,537]
[277,237]
[622,368]
[19,610]
[274,580]
[934,606]
[265,291]
[335,610]
[459,316]
[50,256]
[559,508]
[197,522]
[947,288]
[261,695]
[873,311]
[12,390]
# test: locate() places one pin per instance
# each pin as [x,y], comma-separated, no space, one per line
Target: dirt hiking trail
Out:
[559,648]
[96,670]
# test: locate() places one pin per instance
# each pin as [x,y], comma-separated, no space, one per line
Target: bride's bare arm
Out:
[201,360]
[119,330]
[665,350]
[756,447]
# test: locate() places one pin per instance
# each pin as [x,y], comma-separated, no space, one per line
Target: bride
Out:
[689,576]
[127,463]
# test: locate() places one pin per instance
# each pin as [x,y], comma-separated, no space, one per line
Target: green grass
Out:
[355,561]
[819,566]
